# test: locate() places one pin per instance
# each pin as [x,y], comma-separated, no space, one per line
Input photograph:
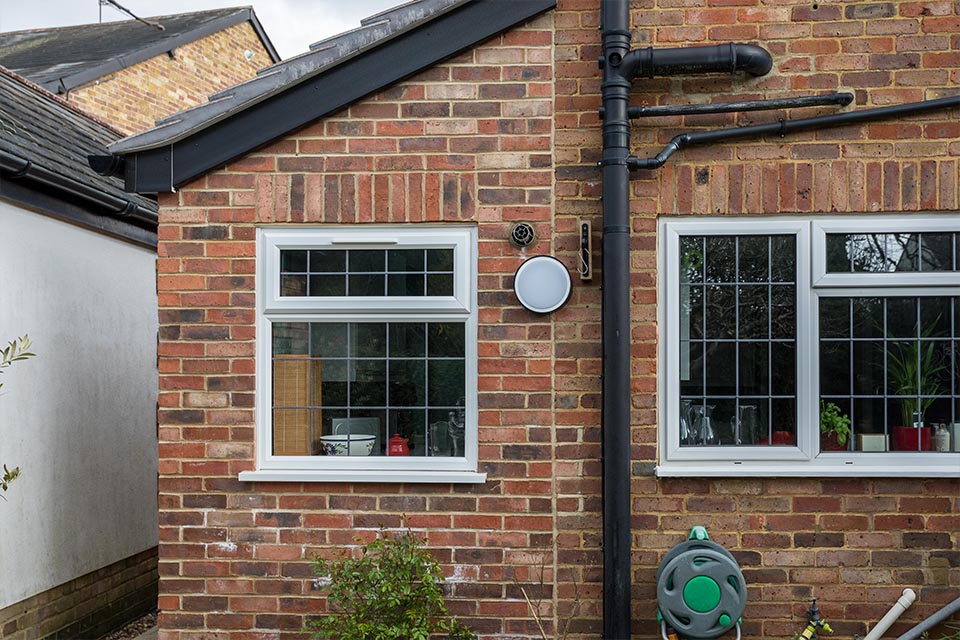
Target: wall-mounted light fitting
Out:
[542,284]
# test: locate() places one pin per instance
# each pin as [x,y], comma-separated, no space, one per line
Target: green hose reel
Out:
[701,592]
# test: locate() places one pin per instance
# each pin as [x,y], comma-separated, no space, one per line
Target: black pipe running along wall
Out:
[783,127]
[620,66]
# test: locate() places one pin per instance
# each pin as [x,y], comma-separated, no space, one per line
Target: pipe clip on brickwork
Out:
[620,66]
[784,127]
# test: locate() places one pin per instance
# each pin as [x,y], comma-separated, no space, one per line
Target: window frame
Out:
[813,283]
[272,307]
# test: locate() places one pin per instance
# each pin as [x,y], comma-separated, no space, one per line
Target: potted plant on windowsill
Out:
[834,428]
[912,369]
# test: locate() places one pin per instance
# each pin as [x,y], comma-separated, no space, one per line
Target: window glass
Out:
[896,381]
[890,252]
[367,379]
[780,331]
[366,272]
[737,341]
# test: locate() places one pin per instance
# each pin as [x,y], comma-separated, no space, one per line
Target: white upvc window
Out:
[367,354]
[772,326]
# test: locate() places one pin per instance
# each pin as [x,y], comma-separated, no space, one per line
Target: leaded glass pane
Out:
[895,379]
[737,343]
[366,272]
[345,388]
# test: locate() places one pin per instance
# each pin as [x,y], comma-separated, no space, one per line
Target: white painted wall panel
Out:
[80,418]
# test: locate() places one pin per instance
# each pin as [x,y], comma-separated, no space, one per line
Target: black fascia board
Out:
[364,74]
[63,207]
[69,82]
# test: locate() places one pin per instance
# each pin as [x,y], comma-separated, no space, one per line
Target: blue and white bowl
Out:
[347,445]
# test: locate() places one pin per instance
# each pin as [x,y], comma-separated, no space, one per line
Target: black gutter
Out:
[18,168]
[620,66]
[783,127]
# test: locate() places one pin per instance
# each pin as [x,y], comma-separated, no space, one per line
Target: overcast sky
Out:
[292,25]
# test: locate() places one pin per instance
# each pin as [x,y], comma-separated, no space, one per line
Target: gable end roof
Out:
[64,58]
[388,47]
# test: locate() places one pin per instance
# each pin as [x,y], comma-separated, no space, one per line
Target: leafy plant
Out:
[833,420]
[913,367]
[952,633]
[16,350]
[392,591]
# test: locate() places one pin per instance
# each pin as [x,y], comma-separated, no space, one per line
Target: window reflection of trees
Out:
[891,252]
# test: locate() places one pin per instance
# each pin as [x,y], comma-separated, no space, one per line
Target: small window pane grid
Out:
[737,340]
[892,365]
[925,252]
[374,378]
[366,272]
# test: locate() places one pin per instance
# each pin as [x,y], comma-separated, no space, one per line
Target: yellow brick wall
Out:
[134,98]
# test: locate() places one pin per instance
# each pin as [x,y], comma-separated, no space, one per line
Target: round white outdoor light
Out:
[542,284]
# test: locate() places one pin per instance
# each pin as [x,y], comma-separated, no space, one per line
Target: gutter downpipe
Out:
[615,421]
[619,67]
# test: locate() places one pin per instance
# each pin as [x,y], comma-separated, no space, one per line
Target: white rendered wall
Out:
[80,418]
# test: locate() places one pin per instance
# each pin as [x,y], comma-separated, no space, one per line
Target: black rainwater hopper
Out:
[620,66]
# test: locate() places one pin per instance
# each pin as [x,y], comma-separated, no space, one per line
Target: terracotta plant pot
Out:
[782,438]
[911,438]
[828,442]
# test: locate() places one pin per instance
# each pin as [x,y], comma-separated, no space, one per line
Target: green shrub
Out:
[392,591]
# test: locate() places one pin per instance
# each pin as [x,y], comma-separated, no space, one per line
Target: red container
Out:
[911,438]
[398,446]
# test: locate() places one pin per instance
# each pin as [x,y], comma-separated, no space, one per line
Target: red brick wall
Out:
[510,132]
[132,99]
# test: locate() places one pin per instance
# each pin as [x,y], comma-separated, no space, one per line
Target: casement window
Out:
[773,326]
[367,354]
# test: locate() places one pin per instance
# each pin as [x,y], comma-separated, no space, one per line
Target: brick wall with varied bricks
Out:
[467,141]
[855,543]
[132,99]
[89,606]
[507,132]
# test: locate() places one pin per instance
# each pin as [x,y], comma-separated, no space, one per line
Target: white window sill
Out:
[341,475]
[948,467]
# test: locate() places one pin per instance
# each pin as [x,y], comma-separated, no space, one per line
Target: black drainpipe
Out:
[620,66]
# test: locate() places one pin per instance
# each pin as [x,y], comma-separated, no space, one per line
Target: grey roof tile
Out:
[39,127]
[66,57]
[322,56]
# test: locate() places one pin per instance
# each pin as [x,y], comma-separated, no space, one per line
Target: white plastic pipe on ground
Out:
[901,605]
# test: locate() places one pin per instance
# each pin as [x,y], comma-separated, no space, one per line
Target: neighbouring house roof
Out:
[64,58]
[336,72]
[44,147]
